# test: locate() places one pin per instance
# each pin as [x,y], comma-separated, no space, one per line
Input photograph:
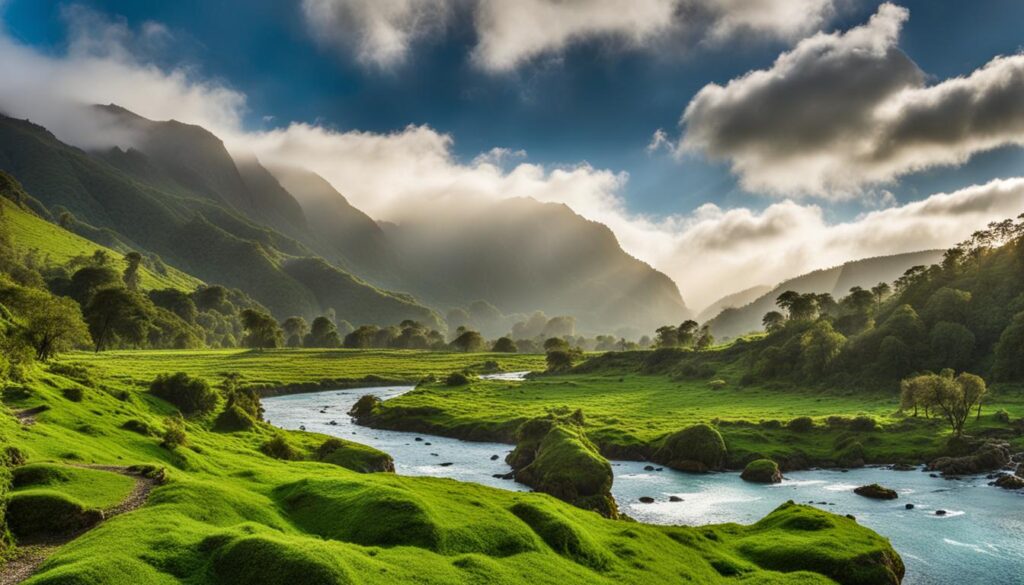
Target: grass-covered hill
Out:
[256,505]
[734,319]
[192,231]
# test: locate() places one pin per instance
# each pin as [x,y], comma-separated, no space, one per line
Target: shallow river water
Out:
[979,540]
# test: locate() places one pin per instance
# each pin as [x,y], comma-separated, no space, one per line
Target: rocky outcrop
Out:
[762,471]
[699,448]
[876,492]
[1009,481]
[983,457]
[554,456]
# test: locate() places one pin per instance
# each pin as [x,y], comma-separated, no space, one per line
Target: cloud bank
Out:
[709,252]
[845,111]
[382,33]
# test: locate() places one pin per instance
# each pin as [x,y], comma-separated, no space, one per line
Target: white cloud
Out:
[709,252]
[843,111]
[509,33]
[380,32]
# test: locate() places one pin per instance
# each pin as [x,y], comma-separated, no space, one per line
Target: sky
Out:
[729,143]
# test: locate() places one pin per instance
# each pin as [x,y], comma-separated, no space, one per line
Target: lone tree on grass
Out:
[954,397]
[261,330]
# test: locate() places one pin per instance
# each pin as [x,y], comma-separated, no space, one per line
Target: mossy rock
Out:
[273,561]
[365,407]
[354,456]
[43,512]
[876,492]
[801,538]
[564,464]
[698,448]
[762,471]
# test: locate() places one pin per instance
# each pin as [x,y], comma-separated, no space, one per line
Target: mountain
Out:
[522,255]
[737,299]
[184,209]
[837,281]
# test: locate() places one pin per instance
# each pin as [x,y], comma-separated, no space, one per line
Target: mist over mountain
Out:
[837,281]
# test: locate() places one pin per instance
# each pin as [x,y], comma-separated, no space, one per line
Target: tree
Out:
[361,337]
[947,304]
[801,307]
[951,345]
[261,330]
[704,339]
[819,347]
[87,281]
[175,301]
[213,298]
[666,336]
[131,277]
[953,397]
[686,333]
[295,328]
[50,324]
[773,321]
[505,345]
[881,291]
[117,314]
[468,342]
[1009,358]
[556,344]
[559,360]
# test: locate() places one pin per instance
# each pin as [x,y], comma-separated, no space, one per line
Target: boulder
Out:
[699,448]
[1009,482]
[646,500]
[876,492]
[762,471]
[987,456]
[364,407]
[675,499]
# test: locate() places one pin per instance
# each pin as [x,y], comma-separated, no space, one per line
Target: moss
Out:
[73,393]
[43,512]
[564,463]
[354,456]
[762,471]
[272,561]
[696,448]
[562,535]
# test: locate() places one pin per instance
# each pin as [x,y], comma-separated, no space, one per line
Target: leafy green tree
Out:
[361,338]
[261,330]
[704,338]
[50,324]
[117,314]
[666,336]
[468,342]
[87,281]
[895,358]
[505,345]
[560,360]
[295,329]
[686,333]
[556,344]
[773,321]
[1009,354]
[953,397]
[880,291]
[131,276]
[819,347]
[800,307]
[213,298]
[175,301]
[951,345]
[947,304]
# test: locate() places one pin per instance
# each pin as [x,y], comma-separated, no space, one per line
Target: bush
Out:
[234,418]
[771,424]
[1002,416]
[74,394]
[456,379]
[801,424]
[174,433]
[837,422]
[137,426]
[190,395]
[863,424]
[280,448]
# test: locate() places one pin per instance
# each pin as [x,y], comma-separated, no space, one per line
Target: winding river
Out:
[980,539]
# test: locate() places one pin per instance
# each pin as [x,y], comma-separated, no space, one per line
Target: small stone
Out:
[434,455]
[417,439]
[646,500]
[851,517]
[446,464]
[333,423]
[659,469]
[494,457]
[675,499]
[909,506]
[940,512]
[648,468]
[426,443]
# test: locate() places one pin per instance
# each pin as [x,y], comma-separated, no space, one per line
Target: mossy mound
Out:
[273,561]
[802,538]
[354,456]
[557,458]
[562,535]
[372,514]
[698,448]
[234,418]
[762,471]
[365,407]
[876,492]
[93,488]
[44,512]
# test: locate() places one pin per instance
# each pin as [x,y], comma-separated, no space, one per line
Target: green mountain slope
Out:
[196,233]
[837,281]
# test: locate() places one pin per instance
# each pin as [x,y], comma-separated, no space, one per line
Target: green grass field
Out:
[283,367]
[229,514]
[628,413]
[55,246]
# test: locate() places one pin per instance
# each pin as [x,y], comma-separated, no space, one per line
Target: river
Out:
[979,540]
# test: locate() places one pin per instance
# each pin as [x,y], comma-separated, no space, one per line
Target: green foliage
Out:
[117,315]
[468,342]
[801,424]
[323,333]
[504,345]
[192,396]
[44,512]
[1009,353]
[279,447]
[261,330]
[456,379]
[696,448]
[174,435]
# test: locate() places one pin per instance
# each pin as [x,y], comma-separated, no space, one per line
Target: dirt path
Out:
[28,558]
[27,417]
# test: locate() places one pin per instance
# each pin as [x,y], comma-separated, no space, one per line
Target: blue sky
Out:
[831,150]
[595,105]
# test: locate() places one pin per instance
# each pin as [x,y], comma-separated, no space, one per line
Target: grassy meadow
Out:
[228,513]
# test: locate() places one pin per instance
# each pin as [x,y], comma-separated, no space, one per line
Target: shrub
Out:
[234,418]
[457,379]
[327,447]
[863,424]
[190,395]
[801,424]
[280,448]
[771,424]
[74,394]
[137,426]
[1002,416]
[837,422]
[174,433]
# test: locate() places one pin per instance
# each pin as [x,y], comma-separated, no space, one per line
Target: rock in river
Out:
[762,471]
[876,491]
